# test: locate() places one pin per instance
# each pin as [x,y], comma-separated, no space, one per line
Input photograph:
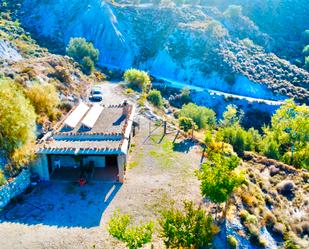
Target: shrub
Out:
[272,150]
[133,236]
[186,124]
[83,52]
[188,228]
[202,116]
[286,187]
[269,219]
[44,99]
[279,229]
[137,79]
[87,65]
[142,99]
[155,98]
[17,118]
[306,50]
[185,96]
[232,242]
[2,178]
[306,65]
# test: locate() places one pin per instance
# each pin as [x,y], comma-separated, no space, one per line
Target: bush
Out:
[17,118]
[239,138]
[306,66]
[286,187]
[306,50]
[2,178]
[202,116]
[232,242]
[44,99]
[83,52]
[133,236]
[137,79]
[186,124]
[155,98]
[185,96]
[87,65]
[188,228]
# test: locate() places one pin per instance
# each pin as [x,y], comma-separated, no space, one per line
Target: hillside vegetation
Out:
[207,44]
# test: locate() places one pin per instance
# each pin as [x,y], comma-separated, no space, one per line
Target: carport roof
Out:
[81,146]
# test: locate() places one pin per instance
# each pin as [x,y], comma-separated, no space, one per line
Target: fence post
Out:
[164,126]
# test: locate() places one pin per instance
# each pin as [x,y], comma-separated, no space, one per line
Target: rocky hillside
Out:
[199,45]
[23,60]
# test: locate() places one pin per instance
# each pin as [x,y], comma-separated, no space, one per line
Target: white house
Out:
[91,136]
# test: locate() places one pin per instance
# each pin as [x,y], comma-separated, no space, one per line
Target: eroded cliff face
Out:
[192,44]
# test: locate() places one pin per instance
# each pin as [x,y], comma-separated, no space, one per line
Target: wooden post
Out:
[164,127]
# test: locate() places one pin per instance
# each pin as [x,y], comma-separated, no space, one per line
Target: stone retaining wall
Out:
[14,188]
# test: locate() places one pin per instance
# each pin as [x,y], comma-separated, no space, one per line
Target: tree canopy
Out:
[188,228]
[203,117]
[218,177]
[44,98]
[83,52]
[133,236]
[137,79]
[17,118]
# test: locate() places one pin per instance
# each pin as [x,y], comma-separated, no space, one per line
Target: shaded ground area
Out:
[157,175]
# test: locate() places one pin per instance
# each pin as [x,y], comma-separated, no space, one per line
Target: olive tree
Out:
[188,228]
[134,237]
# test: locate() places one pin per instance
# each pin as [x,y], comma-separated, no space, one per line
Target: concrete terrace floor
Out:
[68,216]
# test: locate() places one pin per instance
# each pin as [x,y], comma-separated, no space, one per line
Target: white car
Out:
[96,94]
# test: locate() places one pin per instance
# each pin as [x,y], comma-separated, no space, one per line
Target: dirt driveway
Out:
[159,173]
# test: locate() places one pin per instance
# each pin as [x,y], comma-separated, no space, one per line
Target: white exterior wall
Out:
[40,166]
[122,160]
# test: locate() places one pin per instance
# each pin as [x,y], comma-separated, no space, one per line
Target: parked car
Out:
[96,94]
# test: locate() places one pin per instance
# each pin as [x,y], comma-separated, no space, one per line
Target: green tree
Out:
[188,228]
[203,117]
[288,132]
[186,124]
[219,178]
[17,120]
[185,95]
[154,96]
[137,79]
[231,116]
[88,65]
[83,52]
[133,236]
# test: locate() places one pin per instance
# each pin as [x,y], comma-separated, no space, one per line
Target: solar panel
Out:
[74,118]
[92,116]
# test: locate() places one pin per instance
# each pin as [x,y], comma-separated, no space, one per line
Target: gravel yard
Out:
[64,215]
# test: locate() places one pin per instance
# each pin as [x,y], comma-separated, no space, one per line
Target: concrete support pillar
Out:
[122,160]
[40,166]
